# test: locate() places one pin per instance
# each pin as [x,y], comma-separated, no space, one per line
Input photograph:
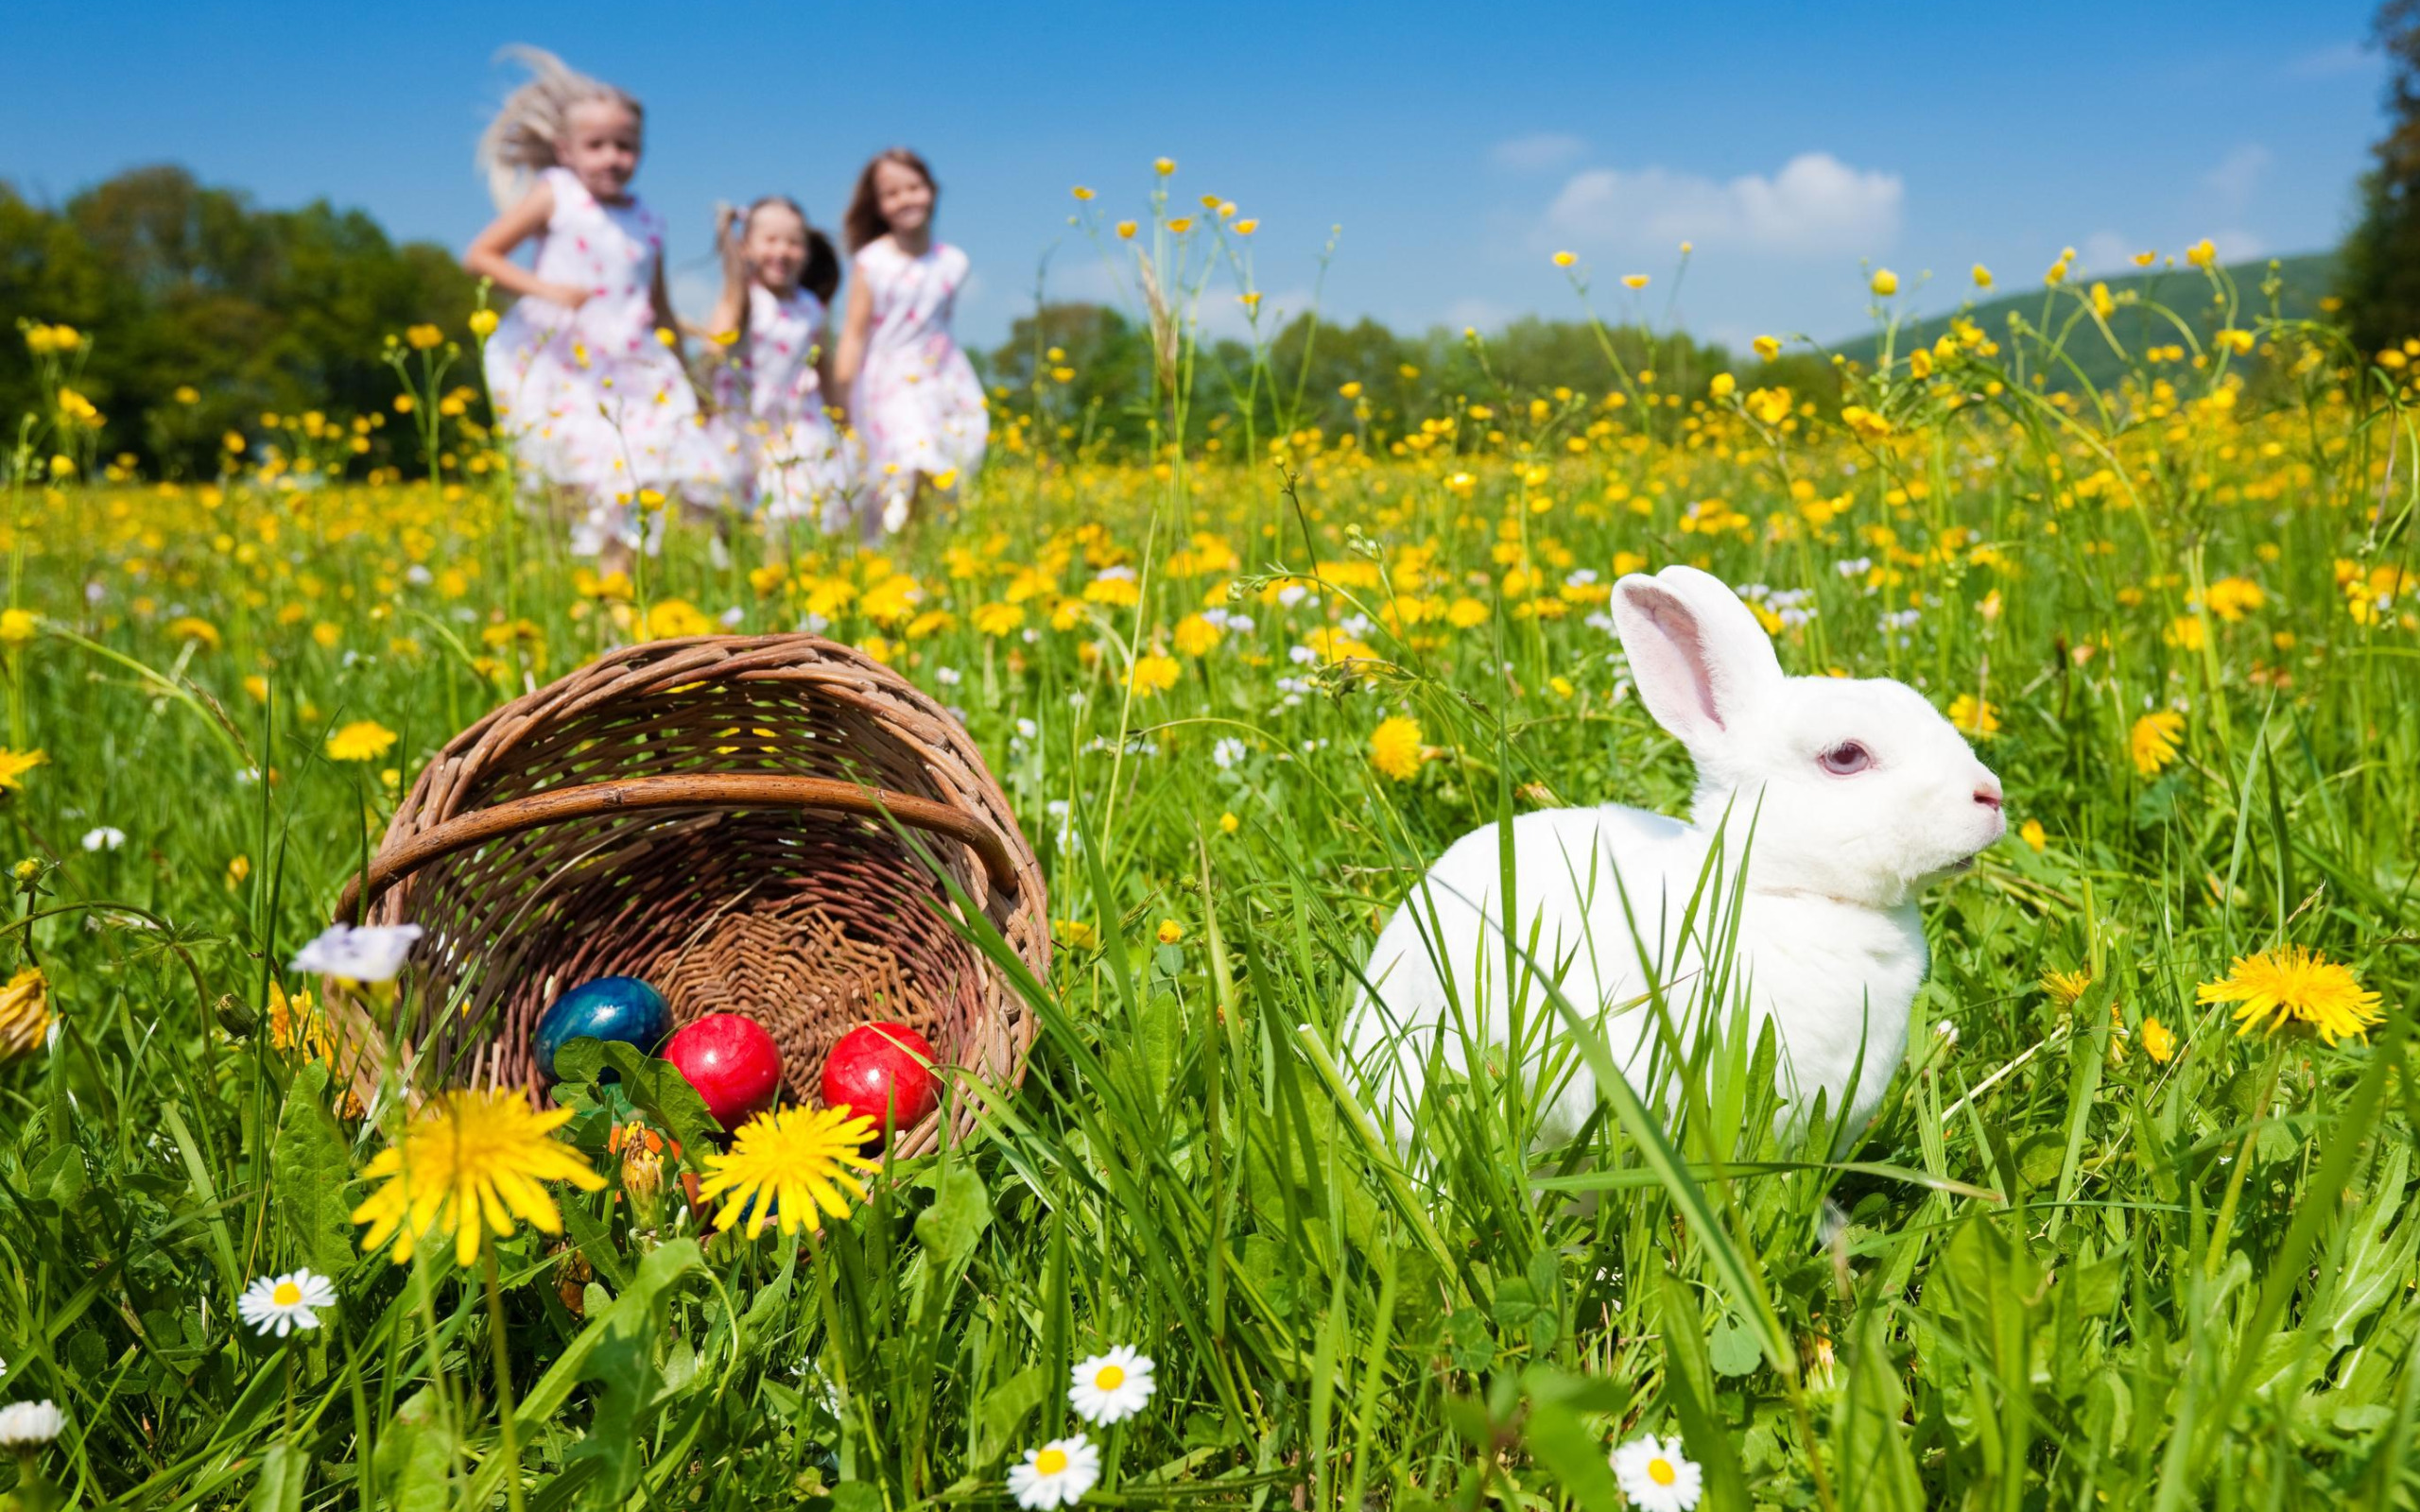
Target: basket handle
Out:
[681,790]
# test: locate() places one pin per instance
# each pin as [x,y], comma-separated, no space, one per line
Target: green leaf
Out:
[654,1086]
[1689,1385]
[308,1168]
[1574,1455]
[285,1466]
[1732,1350]
[956,1218]
[1004,1411]
[415,1457]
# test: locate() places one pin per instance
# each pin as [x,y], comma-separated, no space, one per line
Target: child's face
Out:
[904,196]
[776,246]
[601,146]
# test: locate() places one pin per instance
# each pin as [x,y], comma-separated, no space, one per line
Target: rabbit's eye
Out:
[1846,759]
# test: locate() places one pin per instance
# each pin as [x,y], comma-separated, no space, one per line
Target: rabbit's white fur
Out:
[1828,943]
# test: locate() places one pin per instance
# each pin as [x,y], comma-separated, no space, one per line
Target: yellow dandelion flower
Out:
[794,1160]
[14,764]
[1154,674]
[1396,749]
[364,740]
[25,1013]
[2065,988]
[2153,741]
[470,1165]
[2296,985]
[1978,719]
[2159,1042]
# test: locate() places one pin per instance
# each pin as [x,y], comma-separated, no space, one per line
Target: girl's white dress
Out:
[793,463]
[917,404]
[591,399]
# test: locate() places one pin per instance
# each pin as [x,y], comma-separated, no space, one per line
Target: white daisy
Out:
[107,837]
[286,1302]
[1657,1477]
[373,952]
[23,1424]
[1057,1474]
[1111,1387]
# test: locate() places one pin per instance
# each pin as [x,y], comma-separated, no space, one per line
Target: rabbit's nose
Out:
[1987,793]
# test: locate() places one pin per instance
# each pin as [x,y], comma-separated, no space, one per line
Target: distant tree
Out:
[185,287]
[1093,391]
[2380,281]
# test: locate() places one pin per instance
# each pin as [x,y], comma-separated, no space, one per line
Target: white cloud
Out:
[1483,315]
[1536,153]
[1815,205]
[2237,174]
[2332,62]
[2105,252]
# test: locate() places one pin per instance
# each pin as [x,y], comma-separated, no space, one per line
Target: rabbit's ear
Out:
[1700,660]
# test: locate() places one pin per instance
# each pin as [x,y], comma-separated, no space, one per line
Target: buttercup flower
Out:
[1658,1477]
[281,1304]
[363,740]
[1057,1474]
[1111,1387]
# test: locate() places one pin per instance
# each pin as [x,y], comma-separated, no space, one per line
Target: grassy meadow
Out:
[2103,1246]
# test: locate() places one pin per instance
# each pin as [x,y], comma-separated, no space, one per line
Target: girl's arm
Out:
[489,255]
[732,304]
[854,326]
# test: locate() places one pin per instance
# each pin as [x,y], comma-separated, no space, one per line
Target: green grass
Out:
[2053,1274]
[2165,298]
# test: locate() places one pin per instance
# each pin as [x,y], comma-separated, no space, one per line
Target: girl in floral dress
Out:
[779,276]
[585,369]
[912,394]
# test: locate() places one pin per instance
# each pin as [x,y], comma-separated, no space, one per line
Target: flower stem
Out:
[503,1386]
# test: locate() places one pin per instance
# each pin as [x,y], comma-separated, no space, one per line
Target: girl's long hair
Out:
[820,275]
[523,139]
[864,221]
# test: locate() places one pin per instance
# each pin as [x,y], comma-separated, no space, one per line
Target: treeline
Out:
[205,312]
[1087,371]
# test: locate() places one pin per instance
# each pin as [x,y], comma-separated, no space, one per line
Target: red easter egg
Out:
[731,1061]
[883,1072]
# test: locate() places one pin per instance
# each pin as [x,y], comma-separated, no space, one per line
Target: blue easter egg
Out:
[611,1007]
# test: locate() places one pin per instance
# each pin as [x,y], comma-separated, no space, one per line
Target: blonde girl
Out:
[584,369]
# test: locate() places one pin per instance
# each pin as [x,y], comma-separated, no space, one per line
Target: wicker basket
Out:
[713,815]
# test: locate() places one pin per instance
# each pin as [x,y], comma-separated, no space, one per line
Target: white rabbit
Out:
[1858,793]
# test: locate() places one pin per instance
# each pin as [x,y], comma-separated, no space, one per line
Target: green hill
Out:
[2305,280]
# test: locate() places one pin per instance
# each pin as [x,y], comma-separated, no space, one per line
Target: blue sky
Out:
[1458,146]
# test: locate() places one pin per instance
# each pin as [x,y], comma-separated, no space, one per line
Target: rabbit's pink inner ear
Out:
[1669,662]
